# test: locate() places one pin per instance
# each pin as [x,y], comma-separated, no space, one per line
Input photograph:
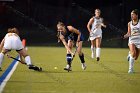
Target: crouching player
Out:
[73,35]
[12,41]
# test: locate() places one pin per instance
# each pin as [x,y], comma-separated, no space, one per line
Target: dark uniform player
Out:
[72,35]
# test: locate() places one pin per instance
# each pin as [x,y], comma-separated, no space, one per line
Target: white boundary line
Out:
[8,77]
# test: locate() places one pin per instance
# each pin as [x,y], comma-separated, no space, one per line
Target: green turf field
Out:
[108,76]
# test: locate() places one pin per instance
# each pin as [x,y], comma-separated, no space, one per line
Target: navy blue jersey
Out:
[72,36]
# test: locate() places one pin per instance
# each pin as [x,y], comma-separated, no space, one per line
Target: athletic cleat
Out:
[35,68]
[68,68]
[0,69]
[84,66]
[39,69]
[98,59]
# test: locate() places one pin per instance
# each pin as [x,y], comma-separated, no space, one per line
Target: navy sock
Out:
[82,58]
[69,59]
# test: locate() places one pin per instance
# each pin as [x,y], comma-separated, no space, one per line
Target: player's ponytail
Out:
[136,11]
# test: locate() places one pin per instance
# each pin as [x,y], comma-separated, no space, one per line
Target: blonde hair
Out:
[98,10]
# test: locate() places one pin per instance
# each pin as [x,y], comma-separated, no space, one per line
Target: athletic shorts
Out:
[75,37]
[13,43]
[95,34]
[135,40]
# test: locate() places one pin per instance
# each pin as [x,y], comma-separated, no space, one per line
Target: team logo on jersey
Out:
[136,30]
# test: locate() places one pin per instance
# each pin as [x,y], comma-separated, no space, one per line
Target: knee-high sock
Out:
[82,58]
[1,58]
[69,59]
[98,50]
[92,49]
[28,60]
[131,63]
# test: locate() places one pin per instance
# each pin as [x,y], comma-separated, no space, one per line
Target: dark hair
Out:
[13,30]
[60,24]
[136,11]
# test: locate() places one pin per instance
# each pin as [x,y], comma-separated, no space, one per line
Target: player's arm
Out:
[65,43]
[2,44]
[74,30]
[128,32]
[89,24]
[102,24]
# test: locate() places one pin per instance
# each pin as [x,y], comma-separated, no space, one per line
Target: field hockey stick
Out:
[114,28]
[30,67]
[135,34]
[74,52]
[122,37]
[91,34]
[22,62]
[115,38]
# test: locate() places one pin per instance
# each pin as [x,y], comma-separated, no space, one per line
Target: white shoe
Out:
[130,71]
[68,68]
[92,55]
[84,66]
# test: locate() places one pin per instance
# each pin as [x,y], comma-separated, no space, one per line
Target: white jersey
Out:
[135,34]
[96,30]
[12,41]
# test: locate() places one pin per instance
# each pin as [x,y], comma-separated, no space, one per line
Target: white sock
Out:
[131,63]
[67,66]
[1,58]
[92,49]
[98,50]
[28,60]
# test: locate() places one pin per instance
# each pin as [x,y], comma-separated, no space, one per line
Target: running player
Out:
[72,35]
[12,41]
[134,39]
[94,27]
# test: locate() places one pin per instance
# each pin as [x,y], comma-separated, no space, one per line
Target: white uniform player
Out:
[135,34]
[94,27]
[96,30]
[134,39]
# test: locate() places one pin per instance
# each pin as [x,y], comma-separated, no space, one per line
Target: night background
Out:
[37,19]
